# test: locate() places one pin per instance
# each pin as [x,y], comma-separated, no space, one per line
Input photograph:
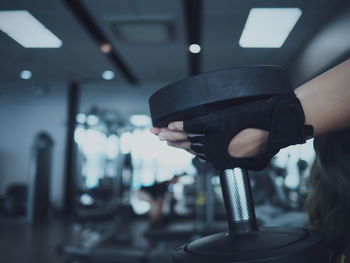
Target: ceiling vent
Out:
[143,30]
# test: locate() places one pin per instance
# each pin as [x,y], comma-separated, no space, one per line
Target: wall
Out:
[27,108]
[327,48]
[121,97]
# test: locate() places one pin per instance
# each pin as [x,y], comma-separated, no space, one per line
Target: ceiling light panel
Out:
[25,29]
[268,27]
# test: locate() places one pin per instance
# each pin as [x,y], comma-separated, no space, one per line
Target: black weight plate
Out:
[269,245]
[207,92]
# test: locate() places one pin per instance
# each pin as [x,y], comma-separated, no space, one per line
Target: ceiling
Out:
[150,38]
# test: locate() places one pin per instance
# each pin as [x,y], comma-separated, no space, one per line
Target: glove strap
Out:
[287,125]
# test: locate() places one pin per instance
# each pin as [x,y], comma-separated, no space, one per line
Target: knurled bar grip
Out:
[238,201]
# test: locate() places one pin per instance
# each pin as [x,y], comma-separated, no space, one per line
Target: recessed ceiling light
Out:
[106,48]
[108,75]
[268,27]
[26,74]
[27,30]
[194,48]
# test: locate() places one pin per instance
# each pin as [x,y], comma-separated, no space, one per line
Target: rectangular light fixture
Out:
[27,30]
[268,27]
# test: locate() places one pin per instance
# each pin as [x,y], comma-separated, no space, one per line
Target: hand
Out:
[224,136]
[174,135]
[245,136]
[246,143]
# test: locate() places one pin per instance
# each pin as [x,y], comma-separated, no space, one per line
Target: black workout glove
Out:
[282,116]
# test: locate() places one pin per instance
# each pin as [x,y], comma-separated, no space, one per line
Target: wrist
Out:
[307,109]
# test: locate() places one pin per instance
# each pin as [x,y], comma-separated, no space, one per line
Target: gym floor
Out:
[22,242]
[38,243]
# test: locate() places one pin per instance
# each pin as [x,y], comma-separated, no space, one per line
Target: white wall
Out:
[25,110]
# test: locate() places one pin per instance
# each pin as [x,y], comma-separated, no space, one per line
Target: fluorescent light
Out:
[108,75]
[268,27]
[140,120]
[25,74]
[194,48]
[27,30]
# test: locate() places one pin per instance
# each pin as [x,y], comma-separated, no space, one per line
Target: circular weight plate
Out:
[223,245]
[201,94]
[272,245]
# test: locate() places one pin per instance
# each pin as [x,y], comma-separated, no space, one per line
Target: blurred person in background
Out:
[155,195]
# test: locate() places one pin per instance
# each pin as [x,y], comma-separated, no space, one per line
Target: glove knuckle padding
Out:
[197,139]
[283,117]
[197,125]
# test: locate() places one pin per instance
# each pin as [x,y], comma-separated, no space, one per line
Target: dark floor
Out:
[37,243]
[21,242]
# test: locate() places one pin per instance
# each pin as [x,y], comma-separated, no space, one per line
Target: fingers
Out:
[185,145]
[176,126]
[200,155]
[198,148]
[175,136]
[173,126]
[155,130]
[191,151]
[171,135]
[197,139]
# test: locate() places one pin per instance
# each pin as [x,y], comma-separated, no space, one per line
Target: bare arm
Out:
[326,99]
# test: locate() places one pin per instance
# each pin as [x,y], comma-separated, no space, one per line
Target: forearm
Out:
[326,100]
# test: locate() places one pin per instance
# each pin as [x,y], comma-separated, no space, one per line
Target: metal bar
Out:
[238,201]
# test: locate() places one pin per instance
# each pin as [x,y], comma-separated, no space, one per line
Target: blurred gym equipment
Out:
[201,202]
[95,229]
[40,178]
[14,203]
[244,242]
[102,211]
